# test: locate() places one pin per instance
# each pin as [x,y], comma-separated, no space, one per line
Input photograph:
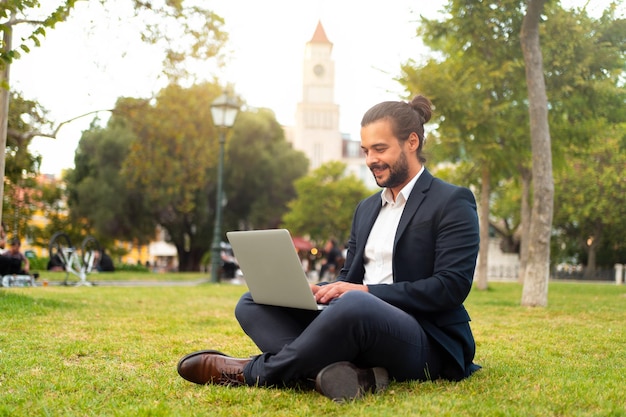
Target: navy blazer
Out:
[434,257]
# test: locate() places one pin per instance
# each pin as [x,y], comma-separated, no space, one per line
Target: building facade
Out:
[316,132]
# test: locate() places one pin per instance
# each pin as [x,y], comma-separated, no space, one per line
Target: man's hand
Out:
[324,294]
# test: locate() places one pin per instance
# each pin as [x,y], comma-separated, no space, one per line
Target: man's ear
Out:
[413,142]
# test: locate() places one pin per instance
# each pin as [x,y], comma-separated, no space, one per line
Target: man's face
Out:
[392,163]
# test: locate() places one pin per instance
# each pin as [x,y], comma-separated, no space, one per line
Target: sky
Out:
[86,63]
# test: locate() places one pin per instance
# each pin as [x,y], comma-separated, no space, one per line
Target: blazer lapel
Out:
[364,232]
[415,199]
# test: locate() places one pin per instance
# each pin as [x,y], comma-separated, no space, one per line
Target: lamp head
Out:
[224,110]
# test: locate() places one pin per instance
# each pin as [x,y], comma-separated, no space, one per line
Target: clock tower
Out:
[317,116]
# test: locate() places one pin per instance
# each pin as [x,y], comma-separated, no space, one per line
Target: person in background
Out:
[3,238]
[15,253]
[106,263]
[396,310]
[7,264]
[55,263]
[331,261]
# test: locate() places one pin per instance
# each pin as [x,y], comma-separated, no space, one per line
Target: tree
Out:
[537,273]
[98,197]
[586,93]
[261,168]
[171,161]
[21,167]
[189,35]
[14,13]
[184,31]
[590,200]
[478,117]
[325,203]
[50,204]
[25,116]
[481,120]
[155,165]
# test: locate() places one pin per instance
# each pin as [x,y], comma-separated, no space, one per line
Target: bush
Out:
[41,264]
[38,263]
[131,268]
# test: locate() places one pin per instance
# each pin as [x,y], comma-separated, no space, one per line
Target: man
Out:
[396,310]
[19,260]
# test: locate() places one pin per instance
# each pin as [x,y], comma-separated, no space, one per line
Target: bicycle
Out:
[76,265]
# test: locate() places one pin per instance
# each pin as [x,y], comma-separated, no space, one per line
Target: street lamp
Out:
[223,110]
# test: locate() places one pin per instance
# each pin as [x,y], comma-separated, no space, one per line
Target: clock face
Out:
[318,70]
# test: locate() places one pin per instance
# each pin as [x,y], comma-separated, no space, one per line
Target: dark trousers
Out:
[358,327]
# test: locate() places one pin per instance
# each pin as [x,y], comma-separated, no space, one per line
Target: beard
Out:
[398,172]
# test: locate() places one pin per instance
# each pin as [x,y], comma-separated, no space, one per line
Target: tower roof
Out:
[320,35]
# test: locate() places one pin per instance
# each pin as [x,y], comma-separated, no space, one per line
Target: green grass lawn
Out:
[112,351]
[108,277]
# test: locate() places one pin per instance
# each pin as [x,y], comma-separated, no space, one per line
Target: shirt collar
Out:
[387,198]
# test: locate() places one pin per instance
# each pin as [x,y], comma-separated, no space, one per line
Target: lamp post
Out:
[223,110]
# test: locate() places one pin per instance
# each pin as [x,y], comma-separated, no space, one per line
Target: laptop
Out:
[272,269]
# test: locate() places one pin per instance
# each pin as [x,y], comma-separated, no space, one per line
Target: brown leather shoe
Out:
[212,367]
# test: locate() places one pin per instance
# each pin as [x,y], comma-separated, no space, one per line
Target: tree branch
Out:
[29,135]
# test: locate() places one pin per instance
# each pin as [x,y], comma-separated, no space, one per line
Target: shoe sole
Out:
[343,381]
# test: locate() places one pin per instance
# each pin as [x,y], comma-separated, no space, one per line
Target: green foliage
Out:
[98,195]
[591,198]
[51,205]
[21,194]
[260,171]
[584,76]
[477,84]
[155,163]
[167,170]
[505,210]
[189,34]
[38,263]
[25,117]
[587,93]
[112,351]
[29,12]
[184,31]
[325,203]
[124,267]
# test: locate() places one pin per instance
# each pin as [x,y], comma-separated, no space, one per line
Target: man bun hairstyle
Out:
[423,107]
[405,118]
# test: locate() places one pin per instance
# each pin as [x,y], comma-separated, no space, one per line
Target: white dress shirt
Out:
[379,246]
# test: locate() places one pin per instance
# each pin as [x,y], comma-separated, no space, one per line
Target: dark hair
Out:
[405,118]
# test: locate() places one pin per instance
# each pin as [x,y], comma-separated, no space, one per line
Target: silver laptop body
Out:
[272,269]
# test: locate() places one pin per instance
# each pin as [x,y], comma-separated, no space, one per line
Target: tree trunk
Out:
[590,268]
[7,40]
[535,290]
[592,244]
[483,214]
[524,224]
[189,260]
